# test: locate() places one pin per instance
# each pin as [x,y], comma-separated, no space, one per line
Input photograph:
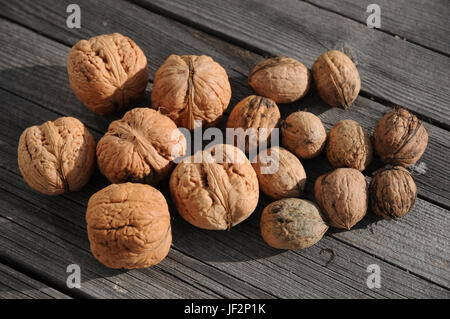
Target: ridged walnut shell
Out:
[56,157]
[107,72]
[292,223]
[303,134]
[342,196]
[280,173]
[349,145]
[282,79]
[337,79]
[128,226]
[191,88]
[400,138]
[216,188]
[257,116]
[140,147]
[392,192]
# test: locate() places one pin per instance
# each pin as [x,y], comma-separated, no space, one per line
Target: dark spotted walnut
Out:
[392,192]
[292,223]
[400,138]
[107,72]
[140,147]
[128,226]
[56,157]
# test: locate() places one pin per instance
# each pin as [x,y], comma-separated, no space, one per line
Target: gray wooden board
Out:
[390,68]
[16,285]
[423,22]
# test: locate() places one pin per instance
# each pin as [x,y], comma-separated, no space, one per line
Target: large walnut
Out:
[392,192]
[303,134]
[253,114]
[128,226]
[349,145]
[337,79]
[57,156]
[343,197]
[292,223]
[190,88]
[400,138]
[280,173]
[107,72]
[216,188]
[140,147]
[282,79]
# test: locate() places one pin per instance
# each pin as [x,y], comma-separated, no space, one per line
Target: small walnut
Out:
[303,134]
[292,223]
[400,138]
[254,112]
[128,226]
[57,157]
[392,192]
[107,72]
[280,173]
[216,188]
[337,79]
[282,79]
[140,147]
[349,145]
[343,197]
[191,88]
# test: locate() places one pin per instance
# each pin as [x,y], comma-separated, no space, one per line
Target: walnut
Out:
[337,79]
[303,134]
[343,197]
[392,192]
[400,138]
[190,88]
[255,112]
[107,72]
[216,188]
[349,145]
[282,79]
[57,157]
[280,173]
[292,223]
[140,147]
[128,226]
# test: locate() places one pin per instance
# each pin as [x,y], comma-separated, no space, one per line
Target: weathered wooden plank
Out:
[16,285]
[422,22]
[391,69]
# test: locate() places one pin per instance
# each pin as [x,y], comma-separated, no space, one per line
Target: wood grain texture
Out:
[422,22]
[390,68]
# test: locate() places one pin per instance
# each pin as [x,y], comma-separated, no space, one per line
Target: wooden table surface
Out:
[405,62]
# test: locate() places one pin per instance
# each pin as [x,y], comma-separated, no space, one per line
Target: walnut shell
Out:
[254,112]
[140,147]
[107,72]
[392,192]
[288,178]
[282,79]
[337,79]
[292,223]
[342,196]
[349,145]
[303,134]
[400,138]
[190,88]
[128,226]
[216,188]
[56,157]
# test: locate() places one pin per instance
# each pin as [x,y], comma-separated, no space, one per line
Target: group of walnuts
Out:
[128,222]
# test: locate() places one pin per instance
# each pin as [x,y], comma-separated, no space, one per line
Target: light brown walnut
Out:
[128,226]
[57,157]
[107,72]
